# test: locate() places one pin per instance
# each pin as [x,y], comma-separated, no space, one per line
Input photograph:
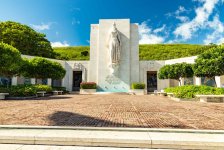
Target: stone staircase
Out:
[113,137]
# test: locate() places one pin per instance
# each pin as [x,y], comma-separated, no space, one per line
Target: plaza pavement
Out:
[112,111]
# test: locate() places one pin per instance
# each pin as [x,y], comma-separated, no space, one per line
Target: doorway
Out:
[77,79]
[151,81]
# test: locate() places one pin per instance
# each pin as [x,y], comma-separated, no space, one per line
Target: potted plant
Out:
[138,88]
[87,88]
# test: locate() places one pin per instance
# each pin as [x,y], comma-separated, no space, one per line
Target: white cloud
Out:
[186,29]
[181,9]
[182,18]
[59,44]
[42,26]
[217,36]
[148,35]
[161,29]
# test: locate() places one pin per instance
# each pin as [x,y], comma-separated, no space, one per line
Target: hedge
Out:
[189,91]
[25,90]
[59,88]
[88,85]
[138,86]
[40,87]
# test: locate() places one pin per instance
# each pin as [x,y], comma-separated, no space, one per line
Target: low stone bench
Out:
[57,92]
[210,98]
[170,94]
[162,93]
[2,95]
[41,93]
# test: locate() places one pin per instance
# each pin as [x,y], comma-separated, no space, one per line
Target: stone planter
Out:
[2,95]
[138,91]
[87,91]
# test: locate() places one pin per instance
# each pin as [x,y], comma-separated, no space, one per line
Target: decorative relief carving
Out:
[112,79]
[78,66]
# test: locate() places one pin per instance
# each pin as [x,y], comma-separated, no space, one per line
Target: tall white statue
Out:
[114,46]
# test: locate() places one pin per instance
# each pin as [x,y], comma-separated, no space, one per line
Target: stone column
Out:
[33,81]
[14,80]
[218,81]
[197,81]
[181,83]
[49,81]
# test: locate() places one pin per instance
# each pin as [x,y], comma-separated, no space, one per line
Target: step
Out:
[113,137]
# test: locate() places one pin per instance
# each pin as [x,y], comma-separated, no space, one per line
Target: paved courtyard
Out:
[112,111]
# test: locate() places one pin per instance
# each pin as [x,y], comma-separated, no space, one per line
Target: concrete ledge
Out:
[113,137]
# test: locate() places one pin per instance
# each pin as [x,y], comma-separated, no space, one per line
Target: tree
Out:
[176,71]
[42,68]
[10,60]
[25,39]
[210,63]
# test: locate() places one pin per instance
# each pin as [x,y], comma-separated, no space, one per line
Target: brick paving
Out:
[112,111]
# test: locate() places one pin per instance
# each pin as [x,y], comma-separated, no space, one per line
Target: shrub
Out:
[4,89]
[85,53]
[22,90]
[189,91]
[138,86]
[88,85]
[40,87]
[59,88]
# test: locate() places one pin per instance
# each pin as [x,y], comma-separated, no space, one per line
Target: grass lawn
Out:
[146,52]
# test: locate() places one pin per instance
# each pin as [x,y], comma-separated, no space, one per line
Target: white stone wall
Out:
[134,66]
[71,66]
[99,70]
[94,42]
[152,66]
[189,60]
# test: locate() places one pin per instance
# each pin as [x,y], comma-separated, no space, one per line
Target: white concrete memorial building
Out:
[114,62]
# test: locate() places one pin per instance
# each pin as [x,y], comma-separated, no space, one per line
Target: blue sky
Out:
[67,22]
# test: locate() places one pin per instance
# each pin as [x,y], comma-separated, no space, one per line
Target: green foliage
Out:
[72,53]
[40,87]
[176,71]
[210,63]
[170,51]
[85,53]
[19,90]
[42,68]
[25,90]
[10,59]
[25,39]
[59,88]
[138,86]
[88,85]
[189,91]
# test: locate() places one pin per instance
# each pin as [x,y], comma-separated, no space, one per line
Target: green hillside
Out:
[72,53]
[146,52]
[169,51]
